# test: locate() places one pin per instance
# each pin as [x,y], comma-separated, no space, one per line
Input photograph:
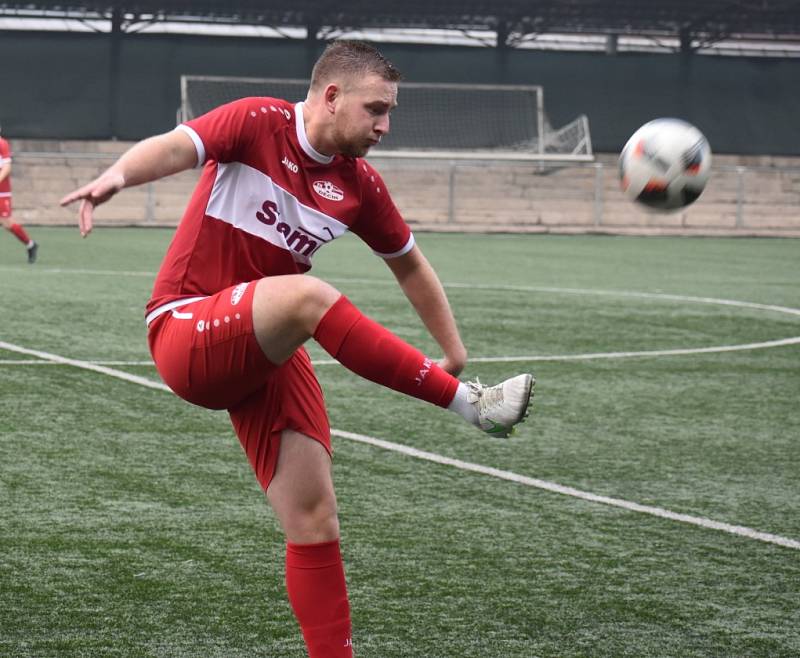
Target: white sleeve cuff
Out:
[198,143]
[402,252]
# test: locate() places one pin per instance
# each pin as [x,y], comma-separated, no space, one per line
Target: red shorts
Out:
[206,353]
[5,206]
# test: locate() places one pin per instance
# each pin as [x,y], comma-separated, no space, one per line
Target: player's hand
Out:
[99,191]
[453,364]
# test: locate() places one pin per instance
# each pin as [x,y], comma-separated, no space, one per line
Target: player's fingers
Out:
[69,198]
[85,217]
[99,190]
[73,196]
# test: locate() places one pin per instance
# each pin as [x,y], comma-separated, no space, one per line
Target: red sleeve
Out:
[5,151]
[379,222]
[230,130]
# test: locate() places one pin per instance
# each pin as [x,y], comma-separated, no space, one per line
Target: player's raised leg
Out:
[301,494]
[288,310]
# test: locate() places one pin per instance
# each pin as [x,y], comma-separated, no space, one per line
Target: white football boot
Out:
[502,406]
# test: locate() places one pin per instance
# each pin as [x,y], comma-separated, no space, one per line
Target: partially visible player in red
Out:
[232,304]
[5,203]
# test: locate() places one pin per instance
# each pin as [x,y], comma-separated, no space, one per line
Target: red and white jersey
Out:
[267,201]
[5,158]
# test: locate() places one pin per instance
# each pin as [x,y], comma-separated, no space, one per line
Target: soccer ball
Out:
[665,164]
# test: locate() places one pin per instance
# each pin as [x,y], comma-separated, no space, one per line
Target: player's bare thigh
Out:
[5,222]
[287,310]
[301,491]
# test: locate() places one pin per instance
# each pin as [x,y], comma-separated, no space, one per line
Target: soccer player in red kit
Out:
[5,203]
[232,303]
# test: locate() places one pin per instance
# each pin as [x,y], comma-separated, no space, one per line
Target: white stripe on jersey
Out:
[400,252]
[240,197]
[198,144]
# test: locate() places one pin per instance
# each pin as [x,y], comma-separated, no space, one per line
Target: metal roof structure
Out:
[690,24]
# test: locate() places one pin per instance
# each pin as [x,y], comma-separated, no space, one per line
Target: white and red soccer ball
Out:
[665,164]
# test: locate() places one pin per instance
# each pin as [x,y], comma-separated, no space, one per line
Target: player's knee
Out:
[321,294]
[300,299]
[316,297]
[315,523]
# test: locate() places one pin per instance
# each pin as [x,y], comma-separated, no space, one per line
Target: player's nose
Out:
[381,127]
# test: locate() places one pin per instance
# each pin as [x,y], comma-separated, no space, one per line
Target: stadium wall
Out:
[748,195]
[69,86]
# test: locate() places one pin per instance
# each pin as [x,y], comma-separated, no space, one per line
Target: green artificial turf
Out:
[130,524]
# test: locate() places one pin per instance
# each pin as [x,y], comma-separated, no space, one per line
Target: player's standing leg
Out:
[302,496]
[16,229]
[208,354]
[287,311]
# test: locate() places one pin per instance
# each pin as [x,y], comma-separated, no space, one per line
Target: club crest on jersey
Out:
[237,293]
[328,190]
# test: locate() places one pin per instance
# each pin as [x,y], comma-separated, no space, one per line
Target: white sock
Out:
[462,406]
[29,245]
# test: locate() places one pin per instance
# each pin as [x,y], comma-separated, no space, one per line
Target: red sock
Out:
[318,594]
[375,353]
[22,236]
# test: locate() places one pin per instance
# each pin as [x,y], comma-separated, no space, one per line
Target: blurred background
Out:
[83,79]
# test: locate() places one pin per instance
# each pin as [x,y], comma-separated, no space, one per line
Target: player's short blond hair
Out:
[351,59]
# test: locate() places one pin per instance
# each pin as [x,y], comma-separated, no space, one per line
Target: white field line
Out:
[569,491]
[40,362]
[475,286]
[780,342]
[699,521]
[55,358]
[617,355]
[540,289]
[595,291]
[622,355]
[70,270]
[493,359]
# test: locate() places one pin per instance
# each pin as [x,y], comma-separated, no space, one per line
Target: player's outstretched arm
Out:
[149,160]
[425,292]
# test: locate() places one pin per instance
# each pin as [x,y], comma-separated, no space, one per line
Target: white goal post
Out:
[432,120]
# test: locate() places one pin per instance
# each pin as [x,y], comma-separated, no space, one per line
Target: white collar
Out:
[300,125]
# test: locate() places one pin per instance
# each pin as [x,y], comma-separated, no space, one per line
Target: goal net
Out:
[452,121]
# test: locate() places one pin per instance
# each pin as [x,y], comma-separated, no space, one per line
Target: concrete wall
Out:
[746,195]
[70,86]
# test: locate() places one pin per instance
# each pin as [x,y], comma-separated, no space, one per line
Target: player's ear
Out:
[331,96]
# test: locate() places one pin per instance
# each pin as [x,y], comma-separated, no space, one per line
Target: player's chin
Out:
[359,150]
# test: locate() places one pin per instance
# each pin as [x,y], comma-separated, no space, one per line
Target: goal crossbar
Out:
[447,121]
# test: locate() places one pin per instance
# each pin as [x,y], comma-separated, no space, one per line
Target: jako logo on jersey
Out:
[423,371]
[291,166]
[328,190]
[300,241]
[237,293]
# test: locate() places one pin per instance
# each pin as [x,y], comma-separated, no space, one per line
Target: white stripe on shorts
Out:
[152,315]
